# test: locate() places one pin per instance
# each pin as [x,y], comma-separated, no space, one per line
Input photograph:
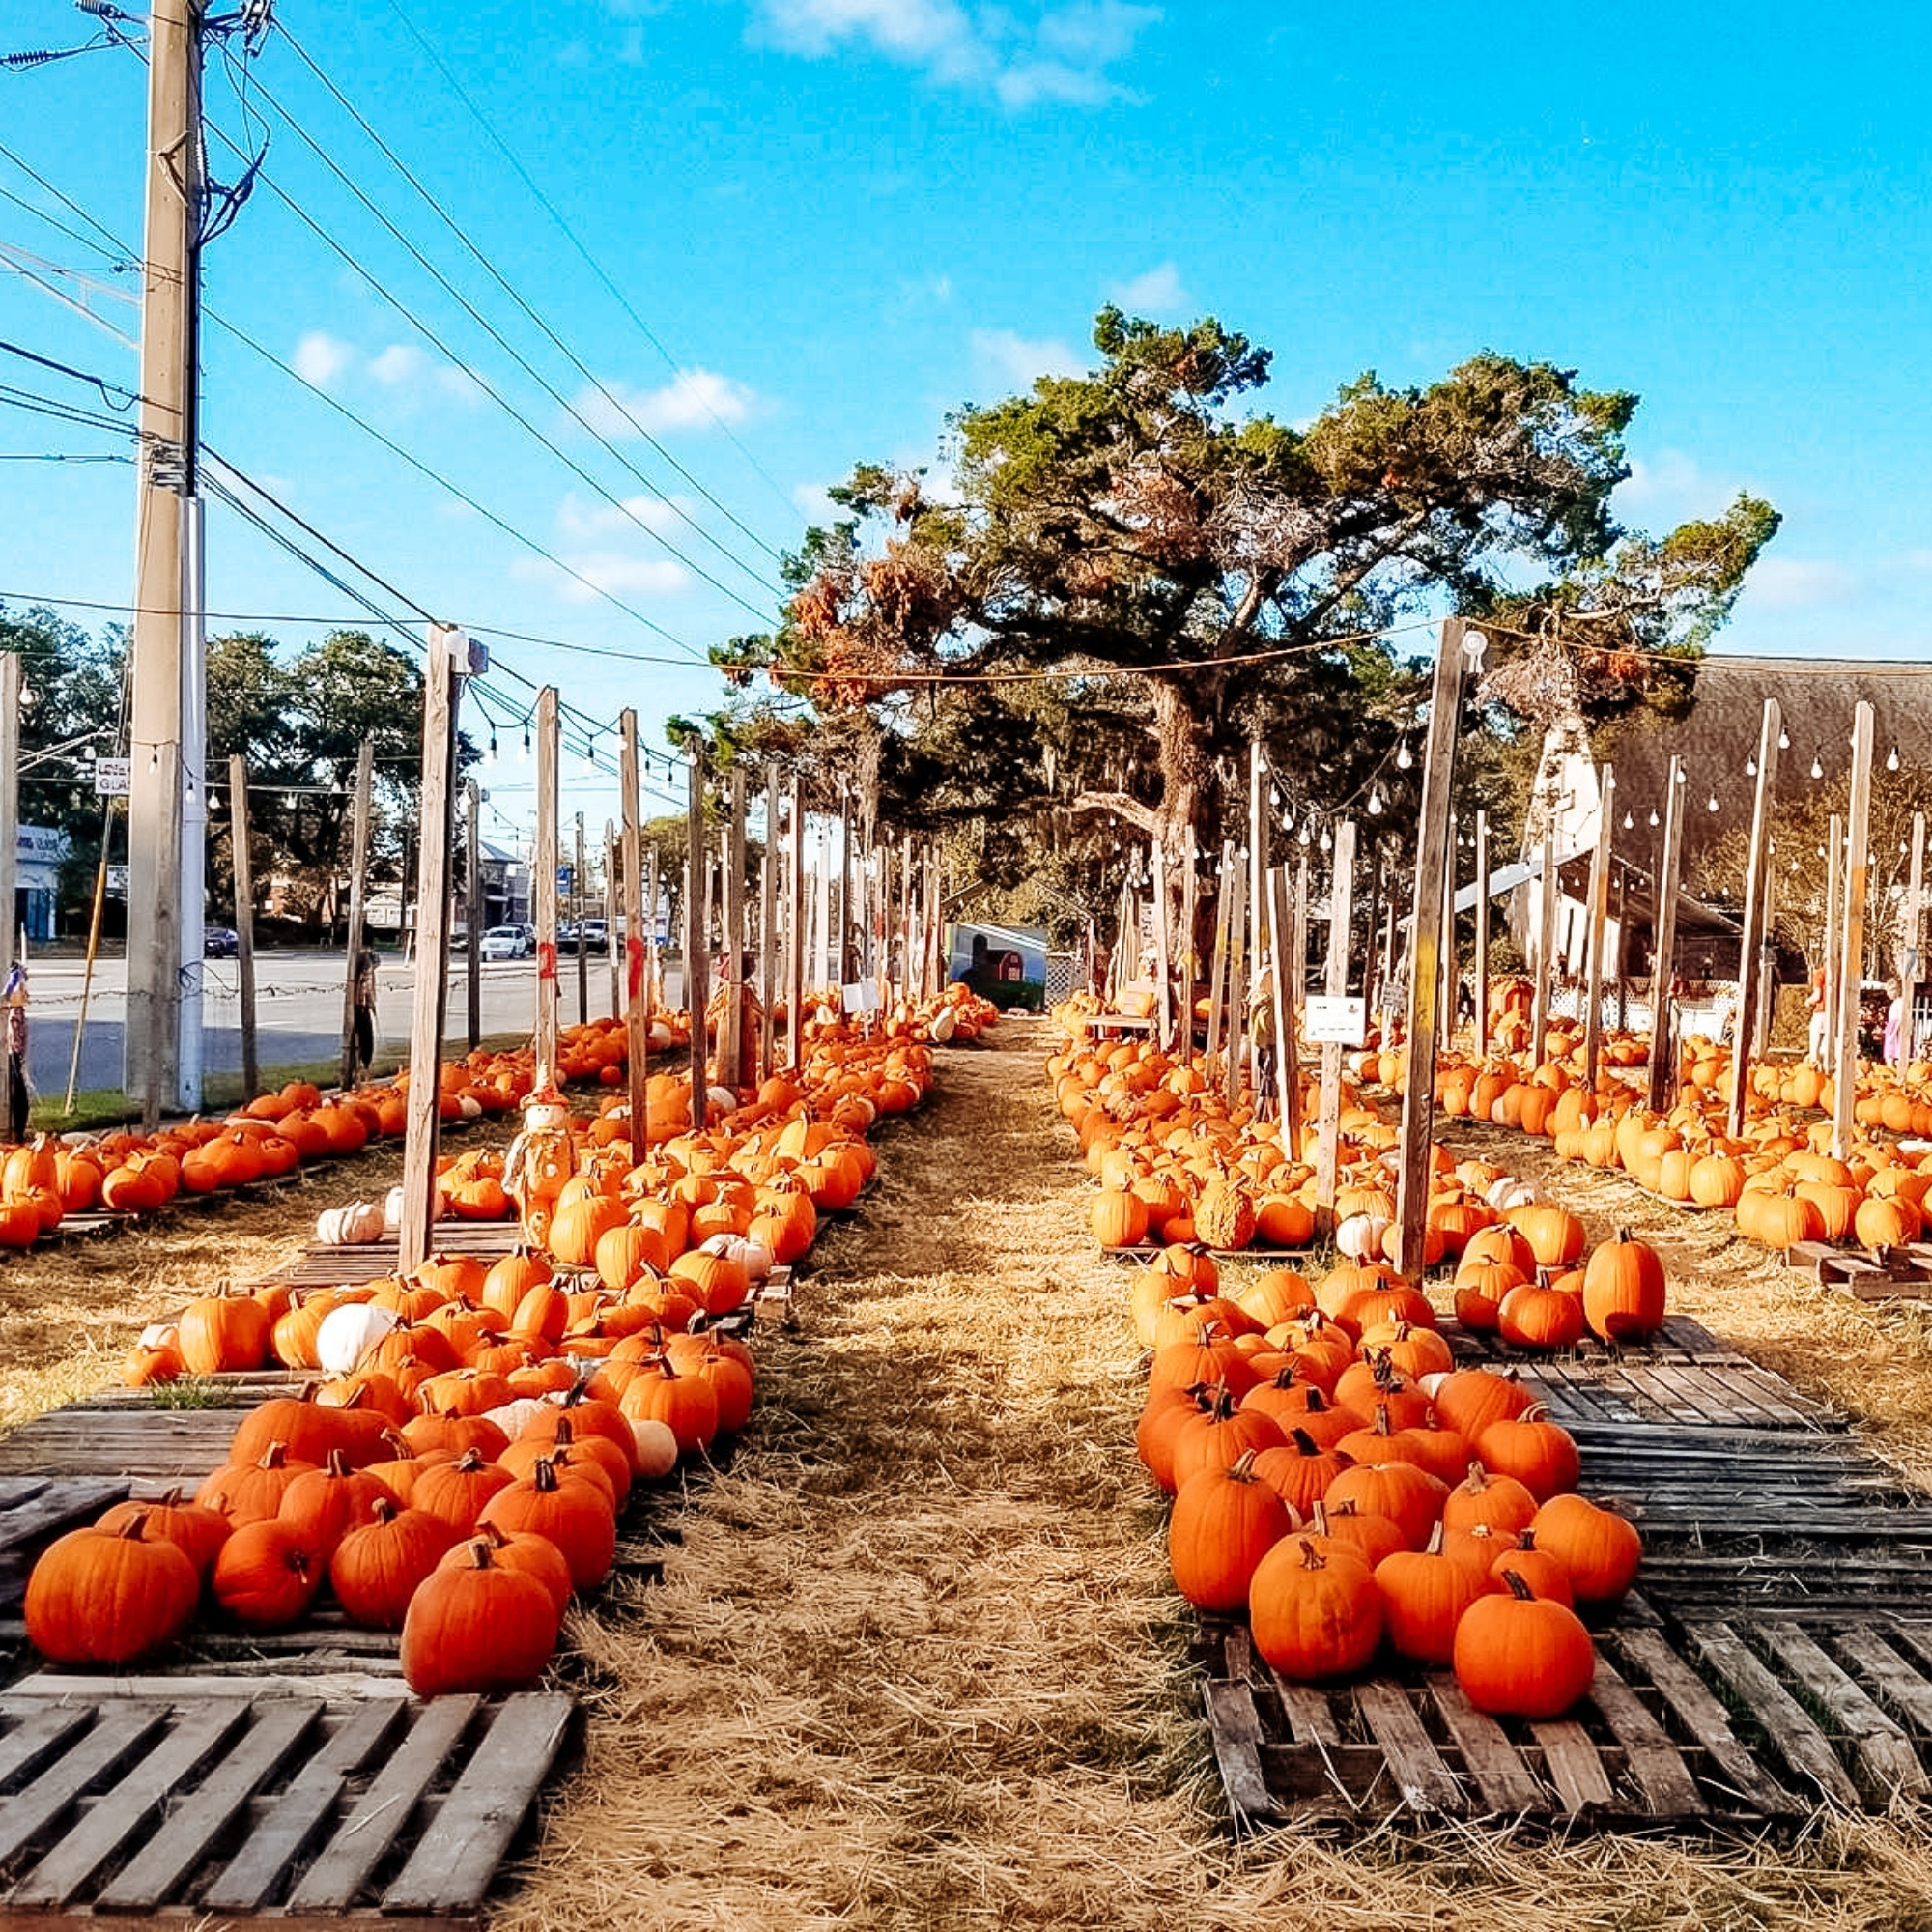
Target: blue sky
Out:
[844,217]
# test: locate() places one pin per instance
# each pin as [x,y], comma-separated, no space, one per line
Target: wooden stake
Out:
[1858,883]
[424,1103]
[636,952]
[1599,915]
[767,916]
[1217,970]
[842,973]
[731,916]
[474,913]
[1258,847]
[1287,1073]
[1238,982]
[1482,911]
[795,930]
[576,920]
[1912,968]
[245,919]
[1662,1034]
[1341,906]
[1550,892]
[543,884]
[613,946]
[654,892]
[1163,954]
[696,940]
[1835,905]
[1190,957]
[358,874]
[1433,864]
[1753,969]
[1446,1023]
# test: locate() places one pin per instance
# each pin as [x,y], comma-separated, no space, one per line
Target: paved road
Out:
[299,1011]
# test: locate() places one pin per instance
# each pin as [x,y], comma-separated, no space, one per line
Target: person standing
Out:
[1261,1030]
[362,997]
[1814,1007]
[17,1098]
[1895,1024]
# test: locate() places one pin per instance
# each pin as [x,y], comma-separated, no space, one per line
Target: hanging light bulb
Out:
[1713,805]
[1784,739]
[589,756]
[1817,766]
[1892,760]
[1326,841]
[490,751]
[1307,837]
[523,756]
[1751,766]
[1653,815]
[1402,760]
[1375,804]
[1629,821]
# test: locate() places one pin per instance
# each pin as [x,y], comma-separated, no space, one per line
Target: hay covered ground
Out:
[916,1663]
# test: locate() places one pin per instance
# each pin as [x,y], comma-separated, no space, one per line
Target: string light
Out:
[1307,837]
[490,751]
[1653,815]
[523,756]
[1817,766]
[1751,766]
[1713,805]
[1892,760]
[1375,804]
[1784,739]
[1402,760]
[1326,841]
[1629,821]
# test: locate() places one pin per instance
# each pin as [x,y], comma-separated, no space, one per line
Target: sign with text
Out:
[1336,1022]
[111,777]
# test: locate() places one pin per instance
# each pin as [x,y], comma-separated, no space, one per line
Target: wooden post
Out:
[1190,957]
[614,948]
[1623,945]
[245,919]
[1662,1034]
[423,1102]
[1482,910]
[1600,917]
[1238,980]
[1748,1043]
[543,884]
[1446,1023]
[636,1024]
[843,953]
[1217,971]
[576,920]
[1911,967]
[475,913]
[358,876]
[1835,905]
[1340,907]
[795,928]
[1433,861]
[1287,1072]
[767,916]
[1371,962]
[1857,882]
[1163,954]
[732,915]
[654,891]
[1550,889]
[696,962]
[1258,848]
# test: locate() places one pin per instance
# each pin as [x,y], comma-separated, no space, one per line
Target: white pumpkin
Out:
[157,1335]
[513,1417]
[348,1333]
[1509,1192]
[471,1106]
[753,1256]
[943,1022]
[657,1448]
[1360,1236]
[660,1036]
[358,1223]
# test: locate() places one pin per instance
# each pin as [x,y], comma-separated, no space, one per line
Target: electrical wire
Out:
[73,207]
[584,254]
[117,262]
[490,268]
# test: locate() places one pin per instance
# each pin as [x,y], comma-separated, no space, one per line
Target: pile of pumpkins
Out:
[1335,1478]
[466,1523]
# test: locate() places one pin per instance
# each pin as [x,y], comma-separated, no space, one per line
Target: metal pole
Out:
[358,875]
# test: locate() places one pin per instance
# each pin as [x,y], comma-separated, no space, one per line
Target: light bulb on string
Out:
[1629,821]
[1326,841]
[524,755]
[1751,766]
[1375,805]
[1403,759]
[1784,739]
[1817,766]
[1713,805]
[1306,836]
[1892,760]
[1653,815]
[490,751]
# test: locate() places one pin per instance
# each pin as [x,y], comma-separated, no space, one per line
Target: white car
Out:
[503,941]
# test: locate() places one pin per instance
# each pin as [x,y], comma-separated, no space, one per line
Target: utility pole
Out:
[10,805]
[358,881]
[157,914]
[474,914]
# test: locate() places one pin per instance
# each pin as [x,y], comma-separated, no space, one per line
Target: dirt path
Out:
[916,1663]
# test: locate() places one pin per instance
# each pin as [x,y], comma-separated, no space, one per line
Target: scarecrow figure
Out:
[541,1158]
[16,999]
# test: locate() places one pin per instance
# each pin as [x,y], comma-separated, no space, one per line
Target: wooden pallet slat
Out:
[107,1747]
[1311,1721]
[1424,1782]
[1571,1763]
[1655,1764]
[1897,1685]
[451,1867]
[1883,1751]
[122,1811]
[1509,1787]
[1695,1707]
[148,1879]
[1796,1740]
[298,1815]
[335,1879]
[42,1731]
[1234,1730]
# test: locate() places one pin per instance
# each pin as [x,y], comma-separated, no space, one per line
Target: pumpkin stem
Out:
[543,1473]
[471,1460]
[275,1456]
[1434,1546]
[1519,1587]
[1478,1479]
[1242,1468]
[132,1529]
[479,1555]
[1310,1557]
[337,1463]
[1304,1441]
[383,1510]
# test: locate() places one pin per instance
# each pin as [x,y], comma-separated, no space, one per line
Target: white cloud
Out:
[321,358]
[694,399]
[1011,360]
[1158,292]
[400,363]
[1062,53]
[579,521]
[1674,483]
[1797,584]
[815,505]
[620,574]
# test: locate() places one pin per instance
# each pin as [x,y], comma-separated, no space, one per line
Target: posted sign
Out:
[1336,1022]
[111,777]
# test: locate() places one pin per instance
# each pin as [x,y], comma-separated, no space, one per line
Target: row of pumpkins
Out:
[467,1531]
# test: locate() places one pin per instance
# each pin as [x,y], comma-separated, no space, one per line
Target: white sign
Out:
[862,996]
[117,881]
[111,777]
[1333,1022]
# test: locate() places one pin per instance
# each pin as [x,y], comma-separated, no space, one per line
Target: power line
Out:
[450,222]
[496,395]
[117,261]
[590,261]
[73,207]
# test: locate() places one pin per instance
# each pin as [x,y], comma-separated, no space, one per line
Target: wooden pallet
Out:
[1738,1720]
[263,1803]
[1869,1274]
[36,1509]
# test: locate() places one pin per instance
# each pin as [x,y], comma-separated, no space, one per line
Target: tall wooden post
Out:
[475,912]
[637,1027]
[358,881]
[1753,969]
[576,920]
[1217,971]
[1910,965]
[614,945]
[1834,909]
[1258,848]
[732,917]
[422,1111]
[1433,861]
[767,916]
[1623,945]
[696,960]
[1190,956]
[795,928]
[1550,891]
[655,890]
[1600,918]
[1450,967]
[543,883]
[1341,909]
[1287,1072]
[1238,980]
[843,952]
[1163,954]
[1662,1034]
[245,919]
[1482,910]
[1858,884]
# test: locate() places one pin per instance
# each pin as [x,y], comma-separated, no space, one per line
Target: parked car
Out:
[503,941]
[596,936]
[221,942]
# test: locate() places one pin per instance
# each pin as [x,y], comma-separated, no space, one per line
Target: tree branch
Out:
[1121,806]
